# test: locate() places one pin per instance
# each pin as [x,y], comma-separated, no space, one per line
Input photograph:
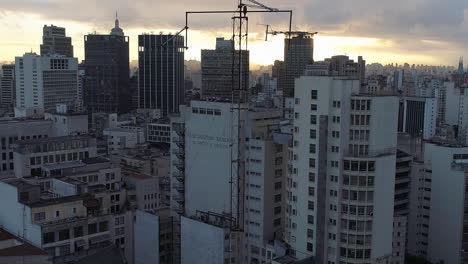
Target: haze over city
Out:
[418,32]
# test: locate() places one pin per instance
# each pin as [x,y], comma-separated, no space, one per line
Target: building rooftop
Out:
[18,183]
[107,255]
[17,247]
[65,199]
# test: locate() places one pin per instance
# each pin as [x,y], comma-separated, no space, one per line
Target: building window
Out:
[311,177]
[57,213]
[103,226]
[311,148]
[312,163]
[313,94]
[64,234]
[277,222]
[313,119]
[310,233]
[311,191]
[48,237]
[92,229]
[39,216]
[78,231]
[277,198]
[313,134]
[313,107]
[310,219]
[310,205]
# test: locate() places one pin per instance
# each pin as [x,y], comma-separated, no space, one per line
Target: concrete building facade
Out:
[340,201]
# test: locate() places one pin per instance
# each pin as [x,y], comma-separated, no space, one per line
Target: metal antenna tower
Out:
[240,32]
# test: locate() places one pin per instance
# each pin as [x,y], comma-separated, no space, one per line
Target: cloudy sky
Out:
[414,31]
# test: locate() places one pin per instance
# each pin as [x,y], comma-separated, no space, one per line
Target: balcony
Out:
[179,198]
[179,141]
[370,154]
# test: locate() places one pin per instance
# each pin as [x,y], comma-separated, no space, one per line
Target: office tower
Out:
[44,81]
[7,86]
[54,41]
[220,72]
[298,53]
[418,116]
[161,72]
[107,72]
[341,185]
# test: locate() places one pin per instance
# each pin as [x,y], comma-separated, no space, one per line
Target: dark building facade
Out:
[161,72]
[7,86]
[220,72]
[107,72]
[298,53]
[55,41]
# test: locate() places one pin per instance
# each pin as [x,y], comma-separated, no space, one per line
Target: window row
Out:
[362,181]
[206,111]
[58,158]
[360,120]
[361,105]
[358,165]
[357,210]
[361,196]
[356,225]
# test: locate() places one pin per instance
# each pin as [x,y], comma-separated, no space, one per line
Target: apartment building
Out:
[340,200]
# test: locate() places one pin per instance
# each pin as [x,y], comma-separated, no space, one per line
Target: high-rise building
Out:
[196,146]
[161,72]
[44,81]
[7,86]
[55,41]
[220,72]
[418,116]
[438,216]
[298,53]
[341,186]
[107,71]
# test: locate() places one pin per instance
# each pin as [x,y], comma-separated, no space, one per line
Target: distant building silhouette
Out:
[54,41]
[298,53]
[7,86]
[107,72]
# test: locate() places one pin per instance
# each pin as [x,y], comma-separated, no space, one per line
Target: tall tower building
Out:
[161,72]
[7,86]
[340,203]
[298,52]
[44,81]
[106,85]
[220,71]
[54,41]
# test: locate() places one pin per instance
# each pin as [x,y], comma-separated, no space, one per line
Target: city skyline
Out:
[422,33]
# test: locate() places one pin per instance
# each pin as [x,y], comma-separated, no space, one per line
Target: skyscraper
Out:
[220,71]
[54,41]
[340,201]
[7,86]
[298,52]
[106,85]
[161,72]
[44,81]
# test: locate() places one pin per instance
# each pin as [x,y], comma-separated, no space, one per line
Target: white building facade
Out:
[44,81]
[340,192]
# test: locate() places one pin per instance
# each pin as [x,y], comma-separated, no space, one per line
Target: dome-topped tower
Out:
[117,30]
